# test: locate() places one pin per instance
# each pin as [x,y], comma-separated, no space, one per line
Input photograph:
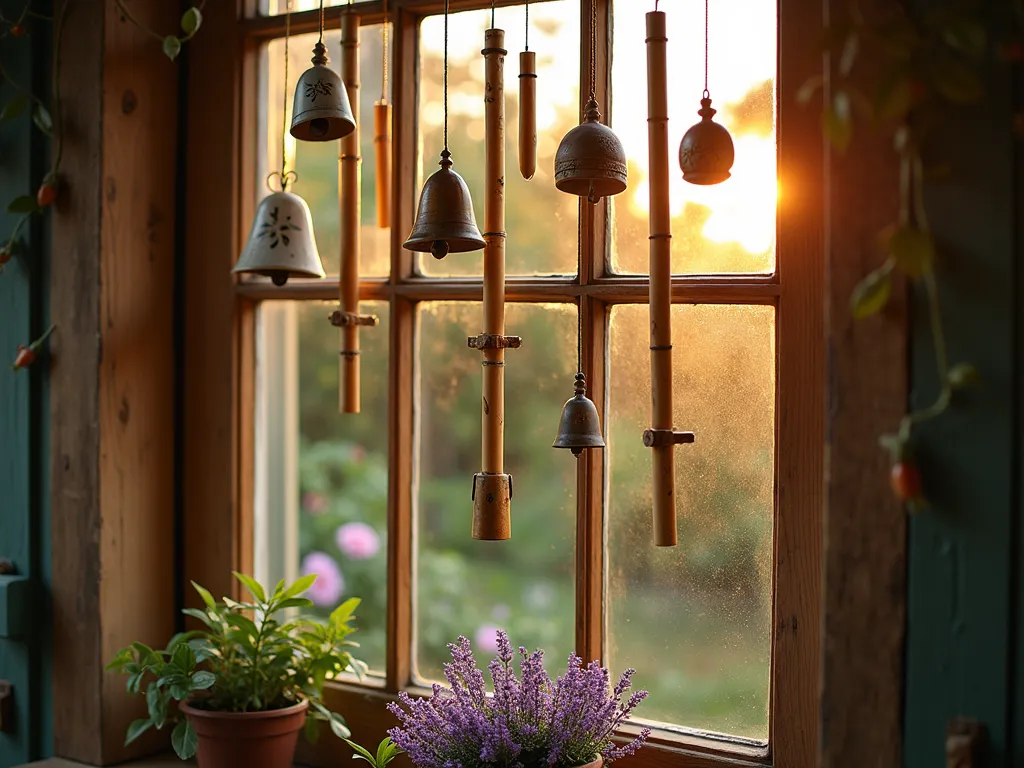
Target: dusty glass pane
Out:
[524,585]
[317,162]
[274,7]
[729,227]
[540,220]
[322,476]
[695,620]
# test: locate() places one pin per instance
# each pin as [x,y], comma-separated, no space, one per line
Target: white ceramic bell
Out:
[321,110]
[281,243]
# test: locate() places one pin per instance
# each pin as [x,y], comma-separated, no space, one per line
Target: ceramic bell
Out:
[590,161]
[445,222]
[281,243]
[580,427]
[321,110]
[706,153]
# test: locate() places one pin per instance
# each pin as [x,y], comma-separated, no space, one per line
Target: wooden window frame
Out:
[220,361]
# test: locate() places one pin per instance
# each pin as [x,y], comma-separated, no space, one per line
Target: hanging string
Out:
[445,75]
[593,50]
[384,45]
[286,175]
[527,26]
[321,22]
[579,312]
[707,93]
[492,14]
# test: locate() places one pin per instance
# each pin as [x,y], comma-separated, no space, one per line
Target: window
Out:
[723,628]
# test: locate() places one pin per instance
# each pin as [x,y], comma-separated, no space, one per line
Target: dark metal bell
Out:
[321,110]
[706,152]
[590,161]
[445,222]
[581,425]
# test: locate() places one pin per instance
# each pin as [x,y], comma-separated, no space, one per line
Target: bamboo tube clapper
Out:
[527,114]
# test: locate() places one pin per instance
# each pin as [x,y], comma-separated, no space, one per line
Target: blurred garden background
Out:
[694,620]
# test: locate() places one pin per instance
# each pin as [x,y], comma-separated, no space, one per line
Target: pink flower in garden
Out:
[314,503]
[329,583]
[486,638]
[357,540]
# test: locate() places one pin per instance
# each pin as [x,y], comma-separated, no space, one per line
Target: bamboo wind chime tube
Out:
[382,145]
[492,488]
[350,183]
[661,438]
[527,114]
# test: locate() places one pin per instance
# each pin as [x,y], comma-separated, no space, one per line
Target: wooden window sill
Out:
[167,761]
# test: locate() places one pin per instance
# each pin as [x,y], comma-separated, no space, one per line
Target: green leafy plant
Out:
[246,660]
[387,751]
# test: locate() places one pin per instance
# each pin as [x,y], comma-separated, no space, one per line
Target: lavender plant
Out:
[528,722]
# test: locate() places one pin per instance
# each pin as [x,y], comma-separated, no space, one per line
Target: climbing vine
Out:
[47,117]
[923,61]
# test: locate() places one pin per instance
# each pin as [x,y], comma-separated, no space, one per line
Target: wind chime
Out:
[382,134]
[281,243]
[492,486]
[527,107]
[322,111]
[348,318]
[445,222]
[590,161]
[703,162]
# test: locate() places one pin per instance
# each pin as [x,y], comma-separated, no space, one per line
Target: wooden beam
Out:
[112,372]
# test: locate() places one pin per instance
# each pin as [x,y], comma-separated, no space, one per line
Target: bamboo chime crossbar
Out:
[661,438]
[492,488]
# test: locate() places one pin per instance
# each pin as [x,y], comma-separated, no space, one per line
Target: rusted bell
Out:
[590,161]
[445,222]
[321,110]
[706,152]
[581,425]
[281,244]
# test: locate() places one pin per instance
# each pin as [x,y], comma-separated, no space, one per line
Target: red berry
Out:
[5,254]
[26,356]
[905,478]
[46,195]
[18,30]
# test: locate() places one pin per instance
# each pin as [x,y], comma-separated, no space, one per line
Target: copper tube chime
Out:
[492,487]
[348,318]
[382,135]
[662,437]
[527,107]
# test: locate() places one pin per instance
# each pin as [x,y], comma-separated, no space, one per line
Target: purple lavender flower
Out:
[529,721]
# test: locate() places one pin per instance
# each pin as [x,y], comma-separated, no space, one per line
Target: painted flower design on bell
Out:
[319,88]
[277,230]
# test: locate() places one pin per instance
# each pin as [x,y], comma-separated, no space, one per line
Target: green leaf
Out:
[243,623]
[383,749]
[191,20]
[300,586]
[184,740]
[124,658]
[23,204]
[312,729]
[156,704]
[41,117]
[253,586]
[205,594]
[893,96]
[172,47]
[967,35]
[871,294]
[912,250]
[14,108]
[202,680]
[963,376]
[361,753]
[838,122]
[184,660]
[809,88]
[180,690]
[201,615]
[136,729]
[850,47]
[294,602]
[341,614]
[338,726]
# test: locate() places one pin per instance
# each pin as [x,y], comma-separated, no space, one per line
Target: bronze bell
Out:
[580,426]
[445,222]
[706,152]
[590,161]
[321,110]
[281,244]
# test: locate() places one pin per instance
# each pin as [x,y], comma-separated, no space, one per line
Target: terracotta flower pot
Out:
[597,762]
[250,739]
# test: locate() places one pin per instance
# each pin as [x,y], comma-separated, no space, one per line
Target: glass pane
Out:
[274,7]
[729,227]
[316,163]
[525,584]
[695,620]
[322,476]
[537,216]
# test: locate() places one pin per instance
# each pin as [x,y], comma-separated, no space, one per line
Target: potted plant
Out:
[529,721]
[239,692]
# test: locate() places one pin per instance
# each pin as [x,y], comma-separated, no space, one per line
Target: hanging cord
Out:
[285,176]
[593,50]
[445,75]
[579,311]
[322,22]
[707,93]
[527,26]
[492,14]
[384,46]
